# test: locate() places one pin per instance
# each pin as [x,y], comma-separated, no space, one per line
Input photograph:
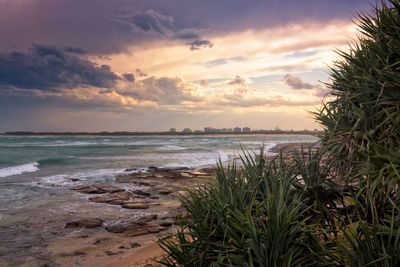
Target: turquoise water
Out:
[36,172]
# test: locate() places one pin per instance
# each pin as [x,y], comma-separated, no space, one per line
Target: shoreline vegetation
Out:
[123,133]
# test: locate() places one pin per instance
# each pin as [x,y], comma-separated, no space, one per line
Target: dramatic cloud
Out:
[156,61]
[162,91]
[187,34]
[149,20]
[124,23]
[129,77]
[197,44]
[153,21]
[50,68]
[296,83]
[75,50]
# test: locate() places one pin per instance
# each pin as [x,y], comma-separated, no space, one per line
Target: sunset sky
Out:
[93,65]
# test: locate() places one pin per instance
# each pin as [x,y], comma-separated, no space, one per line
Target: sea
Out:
[36,173]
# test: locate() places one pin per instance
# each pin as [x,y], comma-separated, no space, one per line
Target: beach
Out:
[103,201]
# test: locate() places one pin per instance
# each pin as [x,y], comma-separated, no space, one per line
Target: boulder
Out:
[135,206]
[87,223]
[112,198]
[124,226]
[145,229]
[108,188]
[165,192]
[88,189]
[166,224]
[141,193]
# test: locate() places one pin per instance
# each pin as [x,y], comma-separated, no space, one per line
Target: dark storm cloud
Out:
[149,20]
[187,34]
[50,68]
[75,50]
[129,77]
[104,26]
[197,44]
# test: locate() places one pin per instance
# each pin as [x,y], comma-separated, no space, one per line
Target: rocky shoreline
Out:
[151,196]
[159,198]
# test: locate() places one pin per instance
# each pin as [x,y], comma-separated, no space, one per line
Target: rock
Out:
[141,193]
[87,223]
[131,170]
[199,173]
[135,245]
[135,206]
[145,229]
[97,189]
[152,168]
[108,188]
[109,253]
[112,198]
[136,232]
[147,218]
[102,240]
[165,192]
[88,189]
[155,229]
[166,224]
[74,179]
[124,226]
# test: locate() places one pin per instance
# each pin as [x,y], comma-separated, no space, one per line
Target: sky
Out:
[149,65]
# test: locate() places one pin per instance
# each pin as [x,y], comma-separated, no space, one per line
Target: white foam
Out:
[192,160]
[175,148]
[61,180]
[267,147]
[15,170]
[106,143]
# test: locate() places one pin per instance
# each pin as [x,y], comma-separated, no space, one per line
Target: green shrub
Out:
[362,122]
[252,217]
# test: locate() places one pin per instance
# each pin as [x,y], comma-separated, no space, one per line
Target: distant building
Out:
[208,129]
[187,130]
[237,130]
[246,129]
[172,130]
[198,131]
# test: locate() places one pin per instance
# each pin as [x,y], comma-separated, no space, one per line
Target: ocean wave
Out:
[170,147]
[193,160]
[62,180]
[86,143]
[15,170]
[267,147]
